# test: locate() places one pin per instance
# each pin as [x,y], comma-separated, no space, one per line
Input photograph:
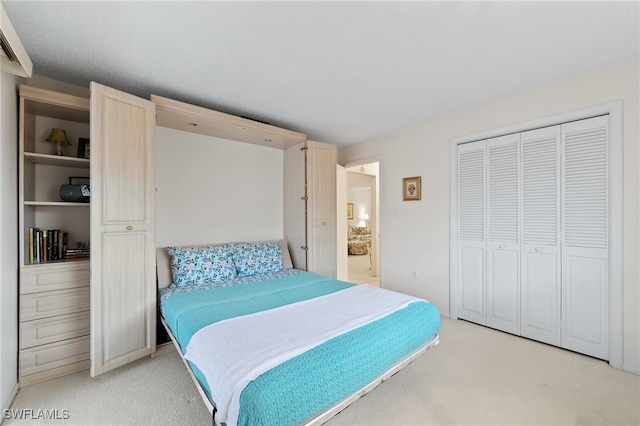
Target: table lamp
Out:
[59,137]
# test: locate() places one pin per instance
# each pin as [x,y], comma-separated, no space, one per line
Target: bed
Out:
[268,344]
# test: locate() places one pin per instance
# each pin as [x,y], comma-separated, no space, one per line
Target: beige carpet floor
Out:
[359,271]
[476,376]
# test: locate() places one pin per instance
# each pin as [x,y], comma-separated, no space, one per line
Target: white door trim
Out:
[614,110]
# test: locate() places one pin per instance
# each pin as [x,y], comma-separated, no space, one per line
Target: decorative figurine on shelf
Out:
[59,137]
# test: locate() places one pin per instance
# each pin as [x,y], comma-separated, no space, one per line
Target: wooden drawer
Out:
[54,355]
[53,303]
[54,276]
[49,330]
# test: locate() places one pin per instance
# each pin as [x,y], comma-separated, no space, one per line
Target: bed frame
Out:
[164,279]
[331,411]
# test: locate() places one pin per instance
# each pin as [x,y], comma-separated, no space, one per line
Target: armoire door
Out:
[471,231]
[321,180]
[540,259]
[503,233]
[123,294]
[585,289]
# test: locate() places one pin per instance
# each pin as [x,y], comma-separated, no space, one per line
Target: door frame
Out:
[614,110]
[377,215]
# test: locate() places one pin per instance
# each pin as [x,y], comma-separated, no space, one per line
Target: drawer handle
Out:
[539,249]
[129,228]
[502,245]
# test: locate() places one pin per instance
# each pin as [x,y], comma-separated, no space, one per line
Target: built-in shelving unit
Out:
[54,294]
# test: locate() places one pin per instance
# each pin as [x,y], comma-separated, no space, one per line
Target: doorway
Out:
[362,225]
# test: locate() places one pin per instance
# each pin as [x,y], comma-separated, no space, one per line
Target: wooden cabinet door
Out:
[321,181]
[123,296]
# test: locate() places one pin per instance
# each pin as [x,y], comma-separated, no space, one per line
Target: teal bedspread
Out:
[308,384]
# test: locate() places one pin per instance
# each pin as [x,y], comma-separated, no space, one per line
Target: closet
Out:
[533,234]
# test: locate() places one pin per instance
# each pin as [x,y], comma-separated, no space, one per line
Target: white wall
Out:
[8,237]
[415,235]
[216,190]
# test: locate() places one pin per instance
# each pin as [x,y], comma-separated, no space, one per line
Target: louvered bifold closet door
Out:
[471,231]
[585,239]
[503,242]
[540,257]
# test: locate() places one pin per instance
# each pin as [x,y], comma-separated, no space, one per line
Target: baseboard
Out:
[631,369]
[9,401]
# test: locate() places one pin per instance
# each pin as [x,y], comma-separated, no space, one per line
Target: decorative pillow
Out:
[257,258]
[196,266]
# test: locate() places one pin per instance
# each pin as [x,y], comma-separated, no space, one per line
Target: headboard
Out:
[163,261]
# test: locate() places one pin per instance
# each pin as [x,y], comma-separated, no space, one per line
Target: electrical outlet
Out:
[414,274]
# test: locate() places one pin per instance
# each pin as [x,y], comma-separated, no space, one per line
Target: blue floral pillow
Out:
[196,266]
[257,258]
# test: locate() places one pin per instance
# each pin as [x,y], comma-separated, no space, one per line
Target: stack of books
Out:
[77,253]
[47,244]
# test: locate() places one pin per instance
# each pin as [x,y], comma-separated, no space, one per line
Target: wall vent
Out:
[13,57]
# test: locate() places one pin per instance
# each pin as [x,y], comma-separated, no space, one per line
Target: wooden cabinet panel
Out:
[49,330]
[52,303]
[55,276]
[53,355]
[321,220]
[123,292]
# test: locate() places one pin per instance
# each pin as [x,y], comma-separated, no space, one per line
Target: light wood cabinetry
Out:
[321,190]
[54,295]
[123,293]
[310,206]
[100,312]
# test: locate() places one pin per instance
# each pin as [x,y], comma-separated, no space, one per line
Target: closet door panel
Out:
[585,242]
[471,231]
[541,262]
[540,307]
[584,289]
[503,246]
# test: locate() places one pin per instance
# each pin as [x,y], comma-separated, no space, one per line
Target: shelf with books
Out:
[54,269]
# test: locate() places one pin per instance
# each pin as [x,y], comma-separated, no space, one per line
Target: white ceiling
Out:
[340,72]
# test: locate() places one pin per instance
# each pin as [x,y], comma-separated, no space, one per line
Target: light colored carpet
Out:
[476,376]
[359,271]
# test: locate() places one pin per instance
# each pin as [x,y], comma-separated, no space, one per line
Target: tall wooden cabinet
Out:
[321,208]
[109,299]
[310,206]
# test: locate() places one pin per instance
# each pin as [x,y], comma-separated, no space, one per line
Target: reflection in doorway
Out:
[362,225]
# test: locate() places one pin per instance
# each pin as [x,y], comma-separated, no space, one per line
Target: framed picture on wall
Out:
[349,211]
[412,188]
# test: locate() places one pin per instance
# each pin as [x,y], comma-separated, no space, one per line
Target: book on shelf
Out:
[47,245]
[77,253]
